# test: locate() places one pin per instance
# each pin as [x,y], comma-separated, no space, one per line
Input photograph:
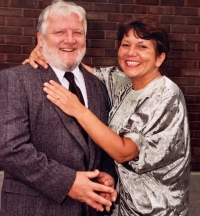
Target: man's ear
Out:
[40,39]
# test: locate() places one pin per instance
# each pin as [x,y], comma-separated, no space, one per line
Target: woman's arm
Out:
[121,149]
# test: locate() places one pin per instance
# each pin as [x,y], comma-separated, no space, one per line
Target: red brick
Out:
[176,72]
[111,53]
[2,21]
[172,19]
[95,34]
[3,66]
[185,11]
[172,3]
[181,46]
[87,61]
[45,3]
[195,159]
[10,12]
[191,99]
[195,167]
[32,13]
[193,108]
[134,9]
[111,35]
[120,1]
[193,73]
[175,55]
[10,31]
[24,4]
[21,21]
[99,62]
[4,3]
[176,37]
[196,134]
[197,83]
[14,58]
[86,6]
[193,20]
[192,38]
[159,10]
[10,49]
[78,1]
[118,17]
[30,31]
[28,49]
[187,29]
[2,39]
[2,57]
[147,2]
[195,125]
[192,55]
[166,64]
[194,117]
[95,52]
[106,7]
[183,64]
[192,3]
[96,16]
[183,81]
[193,90]
[102,43]
[19,40]
[95,25]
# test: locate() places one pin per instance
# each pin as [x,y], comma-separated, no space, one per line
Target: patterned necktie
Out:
[76,90]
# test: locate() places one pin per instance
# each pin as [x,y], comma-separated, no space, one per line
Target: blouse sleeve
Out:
[114,80]
[159,127]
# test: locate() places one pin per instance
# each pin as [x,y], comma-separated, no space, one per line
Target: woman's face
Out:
[137,57]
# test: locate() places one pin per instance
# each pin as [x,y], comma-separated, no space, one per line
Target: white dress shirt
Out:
[79,80]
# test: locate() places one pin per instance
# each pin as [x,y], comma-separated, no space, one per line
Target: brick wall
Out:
[18,20]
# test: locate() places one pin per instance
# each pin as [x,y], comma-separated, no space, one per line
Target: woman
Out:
[149,134]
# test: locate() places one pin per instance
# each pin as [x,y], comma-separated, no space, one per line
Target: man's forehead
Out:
[54,16]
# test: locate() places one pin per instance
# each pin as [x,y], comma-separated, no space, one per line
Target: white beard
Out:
[52,57]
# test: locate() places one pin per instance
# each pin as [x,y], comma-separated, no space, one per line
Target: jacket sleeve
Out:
[18,155]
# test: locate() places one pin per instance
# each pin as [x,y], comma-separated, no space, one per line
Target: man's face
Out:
[63,43]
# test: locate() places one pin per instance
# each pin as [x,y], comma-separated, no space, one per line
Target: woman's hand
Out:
[64,99]
[121,149]
[36,56]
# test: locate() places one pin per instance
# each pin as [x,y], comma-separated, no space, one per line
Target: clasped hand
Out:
[97,195]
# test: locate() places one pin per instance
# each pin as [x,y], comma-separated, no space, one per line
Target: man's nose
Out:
[69,38]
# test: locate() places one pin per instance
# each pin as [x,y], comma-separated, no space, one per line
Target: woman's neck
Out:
[140,83]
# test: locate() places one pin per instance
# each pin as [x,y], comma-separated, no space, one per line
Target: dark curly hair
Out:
[146,28]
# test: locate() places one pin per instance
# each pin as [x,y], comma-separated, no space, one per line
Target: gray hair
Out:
[62,8]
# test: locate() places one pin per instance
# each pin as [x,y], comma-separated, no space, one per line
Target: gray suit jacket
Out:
[41,148]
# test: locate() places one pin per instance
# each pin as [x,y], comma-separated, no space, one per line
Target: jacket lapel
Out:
[67,120]
[94,107]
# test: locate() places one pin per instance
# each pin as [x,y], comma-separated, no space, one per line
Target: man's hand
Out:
[87,191]
[36,56]
[106,179]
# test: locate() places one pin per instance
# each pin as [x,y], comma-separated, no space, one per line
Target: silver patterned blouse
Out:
[155,118]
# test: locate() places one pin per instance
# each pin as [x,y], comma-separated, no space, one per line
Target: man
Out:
[43,152]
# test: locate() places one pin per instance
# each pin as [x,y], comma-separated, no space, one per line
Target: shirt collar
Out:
[60,74]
